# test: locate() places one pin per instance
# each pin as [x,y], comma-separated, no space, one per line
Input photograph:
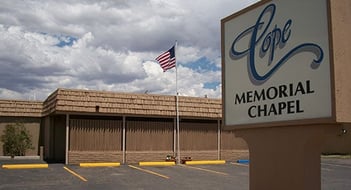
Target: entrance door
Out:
[59,138]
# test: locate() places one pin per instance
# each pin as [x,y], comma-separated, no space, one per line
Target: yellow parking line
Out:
[75,174]
[101,164]
[149,171]
[156,163]
[203,169]
[199,162]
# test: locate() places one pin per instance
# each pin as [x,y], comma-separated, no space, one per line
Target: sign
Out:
[275,63]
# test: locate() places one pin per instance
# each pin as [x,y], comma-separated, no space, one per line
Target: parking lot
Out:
[336,174]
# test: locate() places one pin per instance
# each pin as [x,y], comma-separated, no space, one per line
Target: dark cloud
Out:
[15,78]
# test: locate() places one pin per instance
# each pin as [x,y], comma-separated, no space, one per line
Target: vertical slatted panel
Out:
[149,135]
[198,136]
[95,135]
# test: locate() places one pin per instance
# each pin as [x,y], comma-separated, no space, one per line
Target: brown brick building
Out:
[77,126]
[93,126]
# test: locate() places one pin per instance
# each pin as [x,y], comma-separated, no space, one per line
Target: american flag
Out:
[167,60]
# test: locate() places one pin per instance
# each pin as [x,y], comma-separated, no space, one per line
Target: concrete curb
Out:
[156,163]
[198,162]
[24,166]
[102,164]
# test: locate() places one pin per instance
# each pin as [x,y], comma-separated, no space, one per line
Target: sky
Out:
[111,45]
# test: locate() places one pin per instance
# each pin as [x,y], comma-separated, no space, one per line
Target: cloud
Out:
[110,45]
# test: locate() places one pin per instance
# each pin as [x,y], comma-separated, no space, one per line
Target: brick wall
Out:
[234,155]
[200,155]
[140,156]
[76,157]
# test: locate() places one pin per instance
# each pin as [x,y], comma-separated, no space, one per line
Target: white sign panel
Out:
[276,64]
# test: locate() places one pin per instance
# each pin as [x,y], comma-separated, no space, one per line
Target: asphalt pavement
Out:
[336,174]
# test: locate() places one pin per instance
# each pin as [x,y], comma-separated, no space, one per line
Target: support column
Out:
[285,157]
[124,139]
[218,139]
[67,139]
[175,137]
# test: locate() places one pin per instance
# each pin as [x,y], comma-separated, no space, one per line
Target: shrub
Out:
[16,140]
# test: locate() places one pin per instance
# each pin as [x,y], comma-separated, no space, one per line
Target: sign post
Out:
[279,87]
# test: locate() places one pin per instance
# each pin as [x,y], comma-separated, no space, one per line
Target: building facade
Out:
[75,126]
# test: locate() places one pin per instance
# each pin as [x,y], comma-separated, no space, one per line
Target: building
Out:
[75,126]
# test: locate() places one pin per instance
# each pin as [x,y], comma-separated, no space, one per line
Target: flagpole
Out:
[177,105]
